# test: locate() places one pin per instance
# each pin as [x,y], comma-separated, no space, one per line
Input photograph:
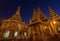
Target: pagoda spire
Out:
[53,15]
[41,16]
[34,15]
[16,16]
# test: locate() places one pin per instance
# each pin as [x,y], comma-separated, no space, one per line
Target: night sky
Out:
[9,7]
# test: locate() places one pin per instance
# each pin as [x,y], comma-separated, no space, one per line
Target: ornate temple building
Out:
[42,27]
[12,27]
[54,22]
[39,25]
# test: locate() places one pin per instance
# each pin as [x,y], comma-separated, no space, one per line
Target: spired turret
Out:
[38,16]
[34,17]
[53,18]
[17,16]
[53,15]
[41,16]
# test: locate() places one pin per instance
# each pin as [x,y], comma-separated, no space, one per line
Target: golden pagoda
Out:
[38,24]
[34,17]
[16,16]
[13,27]
[53,15]
[54,21]
[41,16]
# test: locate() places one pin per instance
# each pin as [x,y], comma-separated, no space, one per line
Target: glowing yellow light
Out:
[45,27]
[54,22]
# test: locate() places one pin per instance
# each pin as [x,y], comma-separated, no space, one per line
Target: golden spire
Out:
[34,15]
[53,15]
[16,16]
[41,16]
